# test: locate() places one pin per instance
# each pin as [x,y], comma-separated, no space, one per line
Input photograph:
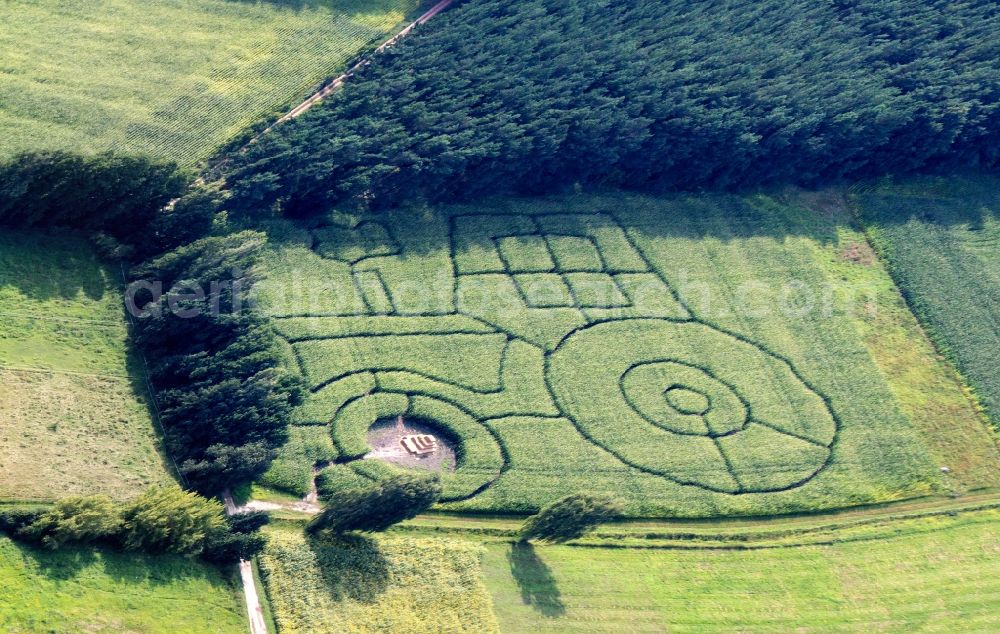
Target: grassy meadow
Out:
[933,575]
[76,418]
[175,79]
[87,590]
[369,584]
[941,239]
[696,355]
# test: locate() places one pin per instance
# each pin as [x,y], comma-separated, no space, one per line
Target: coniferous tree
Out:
[224,395]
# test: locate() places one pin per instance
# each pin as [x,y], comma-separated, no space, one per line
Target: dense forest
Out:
[535,95]
[224,395]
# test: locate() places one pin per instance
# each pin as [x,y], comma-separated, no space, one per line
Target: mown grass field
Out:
[697,356]
[915,568]
[174,79]
[76,418]
[935,575]
[86,590]
[373,584]
[941,238]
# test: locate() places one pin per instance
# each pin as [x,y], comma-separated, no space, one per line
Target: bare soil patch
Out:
[859,254]
[385,435]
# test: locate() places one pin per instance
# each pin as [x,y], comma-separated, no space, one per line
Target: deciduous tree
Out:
[79,520]
[378,507]
[170,520]
[571,517]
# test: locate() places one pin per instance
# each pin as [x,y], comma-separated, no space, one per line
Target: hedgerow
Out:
[160,520]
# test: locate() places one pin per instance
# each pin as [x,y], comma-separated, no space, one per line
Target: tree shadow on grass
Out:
[47,264]
[68,562]
[135,568]
[63,564]
[353,566]
[535,580]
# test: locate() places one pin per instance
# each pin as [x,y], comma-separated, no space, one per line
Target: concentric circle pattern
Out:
[702,406]
[683,399]
[480,457]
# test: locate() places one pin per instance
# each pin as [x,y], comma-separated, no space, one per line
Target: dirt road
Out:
[338,82]
[254,610]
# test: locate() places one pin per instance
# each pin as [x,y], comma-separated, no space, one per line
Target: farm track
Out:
[338,82]
[856,524]
[767,532]
[255,612]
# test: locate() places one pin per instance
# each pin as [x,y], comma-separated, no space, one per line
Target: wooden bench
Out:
[419,444]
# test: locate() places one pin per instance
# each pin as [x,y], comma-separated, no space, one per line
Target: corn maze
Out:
[550,348]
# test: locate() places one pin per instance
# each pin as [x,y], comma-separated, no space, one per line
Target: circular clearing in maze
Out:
[478,459]
[412,443]
[693,404]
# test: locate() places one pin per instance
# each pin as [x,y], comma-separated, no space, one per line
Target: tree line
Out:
[160,521]
[523,97]
[224,397]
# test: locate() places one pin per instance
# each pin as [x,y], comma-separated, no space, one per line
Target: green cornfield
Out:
[696,356]
[174,79]
[941,238]
[358,583]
